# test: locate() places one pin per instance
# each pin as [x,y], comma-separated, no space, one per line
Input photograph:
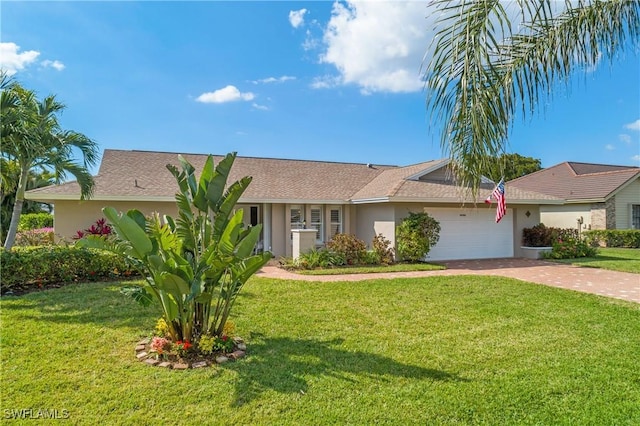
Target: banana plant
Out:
[196,264]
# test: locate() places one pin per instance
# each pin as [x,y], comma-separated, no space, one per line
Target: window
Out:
[253,215]
[336,221]
[316,221]
[635,216]
[296,217]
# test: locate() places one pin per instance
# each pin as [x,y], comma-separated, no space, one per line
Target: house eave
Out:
[586,200]
[460,201]
[370,200]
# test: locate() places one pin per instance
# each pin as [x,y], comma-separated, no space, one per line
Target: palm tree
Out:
[33,138]
[485,66]
[10,175]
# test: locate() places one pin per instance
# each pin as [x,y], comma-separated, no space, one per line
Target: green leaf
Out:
[200,199]
[190,176]
[230,200]
[248,243]
[229,237]
[129,230]
[173,284]
[139,294]
[219,181]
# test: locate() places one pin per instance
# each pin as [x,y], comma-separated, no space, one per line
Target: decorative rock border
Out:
[144,354]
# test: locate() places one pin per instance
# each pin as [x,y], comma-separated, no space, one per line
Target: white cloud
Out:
[260,107]
[296,17]
[268,80]
[625,138]
[53,64]
[326,82]
[633,126]
[609,147]
[11,61]
[636,158]
[226,94]
[378,46]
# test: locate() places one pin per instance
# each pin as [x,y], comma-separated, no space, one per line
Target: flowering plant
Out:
[224,343]
[182,347]
[99,228]
[160,345]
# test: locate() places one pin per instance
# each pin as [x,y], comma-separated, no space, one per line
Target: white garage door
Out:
[472,233]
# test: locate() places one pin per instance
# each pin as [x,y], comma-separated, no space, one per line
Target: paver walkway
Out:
[620,285]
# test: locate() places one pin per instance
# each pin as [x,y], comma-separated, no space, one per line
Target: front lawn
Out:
[615,259]
[438,350]
[372,269]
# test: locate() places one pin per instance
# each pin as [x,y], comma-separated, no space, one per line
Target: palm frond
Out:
[482,70]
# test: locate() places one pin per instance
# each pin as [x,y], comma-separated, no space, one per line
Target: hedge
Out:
[626,238]
[30,221]
[40,265]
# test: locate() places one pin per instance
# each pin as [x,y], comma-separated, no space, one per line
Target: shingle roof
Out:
[578,181]
[142,175]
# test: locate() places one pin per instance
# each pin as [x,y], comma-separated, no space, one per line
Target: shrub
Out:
[316,258]
[27,266]
[35,221]
[370,257]
[571,248]
[35,237]
[415,235]
[542,236]
[381,246]
[349,247]
[626,238]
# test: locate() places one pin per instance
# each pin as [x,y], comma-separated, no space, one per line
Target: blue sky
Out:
[305,80]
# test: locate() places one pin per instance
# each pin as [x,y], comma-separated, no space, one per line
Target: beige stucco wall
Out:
[72,216]
[279,233]
[521,221]
[566,216]
[374,219]
[623,200]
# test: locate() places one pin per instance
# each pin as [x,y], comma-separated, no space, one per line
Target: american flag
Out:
[498,194]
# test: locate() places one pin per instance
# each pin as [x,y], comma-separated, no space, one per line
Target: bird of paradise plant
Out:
[196,264]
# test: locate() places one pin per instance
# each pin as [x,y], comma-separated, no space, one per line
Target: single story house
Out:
[596,195]
[331,197]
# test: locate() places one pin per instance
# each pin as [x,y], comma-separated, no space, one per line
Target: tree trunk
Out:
[17,210]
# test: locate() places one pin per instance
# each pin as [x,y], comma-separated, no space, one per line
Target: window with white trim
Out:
[336,221]
[635,216]
[296,217]
[316,222]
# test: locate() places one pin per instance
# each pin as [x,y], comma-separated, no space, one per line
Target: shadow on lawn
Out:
[284,365]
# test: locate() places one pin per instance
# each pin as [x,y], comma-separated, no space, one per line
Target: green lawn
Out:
[440,350]
[615,259]
[372,269]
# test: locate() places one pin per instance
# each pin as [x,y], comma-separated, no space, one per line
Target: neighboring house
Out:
[360,199]
[600,196]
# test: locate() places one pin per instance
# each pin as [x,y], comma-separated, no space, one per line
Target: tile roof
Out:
[578,181]
[142,175]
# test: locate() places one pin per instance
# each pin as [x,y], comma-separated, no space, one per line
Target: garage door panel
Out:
[471,234]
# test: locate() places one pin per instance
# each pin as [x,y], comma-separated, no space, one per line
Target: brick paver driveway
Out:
[620,285]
